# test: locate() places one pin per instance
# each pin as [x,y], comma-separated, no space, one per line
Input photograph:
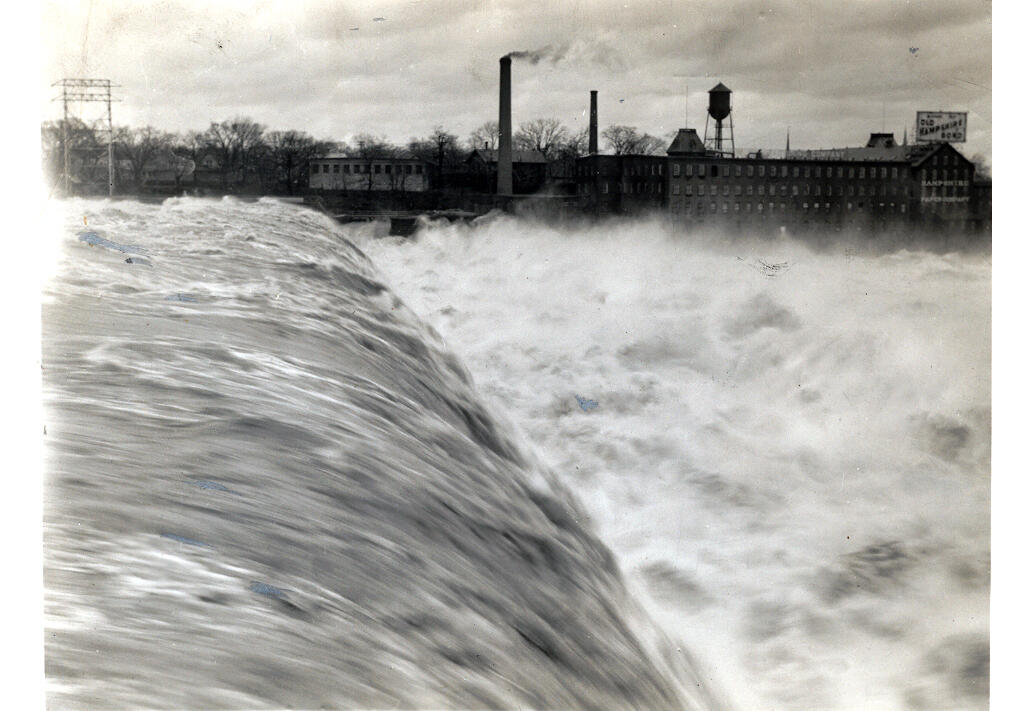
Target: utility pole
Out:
[87,90]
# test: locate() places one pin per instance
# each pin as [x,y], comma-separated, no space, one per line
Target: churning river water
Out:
[506,465]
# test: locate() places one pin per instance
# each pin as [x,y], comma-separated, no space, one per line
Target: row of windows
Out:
[640,187]
[699,206]
[944,174]
[627,188]
[377,168]
[638,170]
[784,171]
[794,189]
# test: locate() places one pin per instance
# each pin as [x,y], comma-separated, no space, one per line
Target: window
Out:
[688,190]
[688,169]
[849,205]
[604,187]
[851,172]
[808,189]
[346,168]
[336,167]
[714,207]
[750,189]
[407,169]
[675,188]
[760,207]
[701,170]
[818,190]
[761,189]
[894,171]
[675,170]
[715,171]
[804,205]
[783,188]
[750,171]
[783,172]
[747,206]
[737,172]
[808,172]
[388,167]
[725,207]
[378,168]
[736,207]
[861,190]
[761,171]
[796,171]
[861,172]
[840,171]
[883,171]
[737,189]
[418,170]
[818,171]
[794,189]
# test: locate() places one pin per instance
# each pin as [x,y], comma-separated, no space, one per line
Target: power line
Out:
[90,91]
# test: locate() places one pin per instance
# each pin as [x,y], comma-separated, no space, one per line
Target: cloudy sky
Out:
[830,71]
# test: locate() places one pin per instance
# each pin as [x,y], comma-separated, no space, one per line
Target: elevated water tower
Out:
[719,108]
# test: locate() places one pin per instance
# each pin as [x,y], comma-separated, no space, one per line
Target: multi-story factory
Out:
[876,187]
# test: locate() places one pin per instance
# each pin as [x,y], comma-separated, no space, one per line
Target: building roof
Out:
[686,141]
[403,156]
[489,155]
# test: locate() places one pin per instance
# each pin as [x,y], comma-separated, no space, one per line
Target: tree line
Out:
[240,152]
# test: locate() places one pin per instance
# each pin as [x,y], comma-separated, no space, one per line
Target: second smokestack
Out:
[593,123]
[504,186]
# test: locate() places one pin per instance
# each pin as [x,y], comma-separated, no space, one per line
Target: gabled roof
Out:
[929,149]
[489,155]
[686,141]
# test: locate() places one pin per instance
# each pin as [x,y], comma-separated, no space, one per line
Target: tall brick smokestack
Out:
[593,122]
[504,186]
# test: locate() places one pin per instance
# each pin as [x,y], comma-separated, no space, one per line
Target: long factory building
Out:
[879,186]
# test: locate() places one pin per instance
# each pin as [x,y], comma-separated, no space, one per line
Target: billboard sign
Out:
[939,126]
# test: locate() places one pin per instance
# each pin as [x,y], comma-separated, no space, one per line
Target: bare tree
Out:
[544,135]
[370,149]
[485,136]
[576,144]
[290,152]
[84,148]
[140,148]
[236,144]
[627,140]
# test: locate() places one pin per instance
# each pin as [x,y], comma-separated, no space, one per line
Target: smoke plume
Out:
[551,53]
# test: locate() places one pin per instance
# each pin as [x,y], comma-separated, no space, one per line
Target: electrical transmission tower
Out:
[87,90]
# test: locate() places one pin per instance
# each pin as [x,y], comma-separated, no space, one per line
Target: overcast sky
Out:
[829,70]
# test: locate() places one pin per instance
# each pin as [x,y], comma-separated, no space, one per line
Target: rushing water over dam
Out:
[269,485]
[469,469]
